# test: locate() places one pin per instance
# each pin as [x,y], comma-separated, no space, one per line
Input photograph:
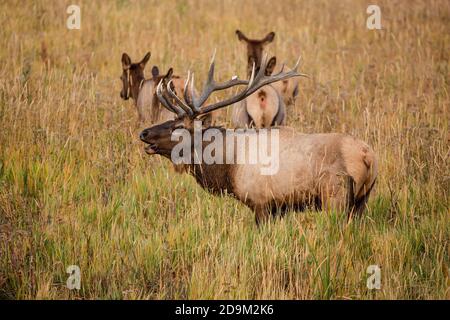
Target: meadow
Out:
[76,187]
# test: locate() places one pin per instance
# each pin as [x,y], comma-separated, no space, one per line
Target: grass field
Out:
[76,187]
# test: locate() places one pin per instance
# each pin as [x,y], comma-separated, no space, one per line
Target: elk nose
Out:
[143,135]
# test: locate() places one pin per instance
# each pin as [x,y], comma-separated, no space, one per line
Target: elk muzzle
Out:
[146,137]
[158,138]
[123,95]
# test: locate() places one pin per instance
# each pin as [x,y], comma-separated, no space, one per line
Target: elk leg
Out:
[141,115]
[335,203]
[261,214]
[334,198]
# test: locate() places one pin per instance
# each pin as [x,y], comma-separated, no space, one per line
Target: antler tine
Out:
[162,99]
[255,77]
[180,102]
[208,88]
[252,76]
[172,108]
[189,89]
[192,89]
[296,67]
[262,68]
[189,83]
[186,85]
[297,63]
[211,67]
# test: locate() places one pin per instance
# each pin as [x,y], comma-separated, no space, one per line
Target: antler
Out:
[193,106]
[210,86]
[162,98]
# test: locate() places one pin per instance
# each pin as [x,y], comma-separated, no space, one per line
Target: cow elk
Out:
[143,91]
[328,171]
[263,109]
[288,88]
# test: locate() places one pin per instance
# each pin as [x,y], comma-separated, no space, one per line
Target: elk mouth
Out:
[124,96]
[151,148]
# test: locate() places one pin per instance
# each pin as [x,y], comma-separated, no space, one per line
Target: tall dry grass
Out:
[77,189]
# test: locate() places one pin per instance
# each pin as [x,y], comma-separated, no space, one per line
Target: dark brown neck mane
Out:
[216,178]
[135,85]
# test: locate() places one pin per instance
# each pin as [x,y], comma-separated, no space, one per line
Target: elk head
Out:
[190,107]
[132,76]
[255,48]
[165,78]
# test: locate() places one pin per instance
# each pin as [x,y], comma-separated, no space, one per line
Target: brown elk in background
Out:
[143,91]
[330,171]
[288,88]
[263,109]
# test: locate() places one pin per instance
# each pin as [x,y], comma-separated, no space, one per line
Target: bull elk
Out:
[143,91]
[288,88]
[334,171]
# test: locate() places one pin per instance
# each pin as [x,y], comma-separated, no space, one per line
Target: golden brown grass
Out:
[77,188]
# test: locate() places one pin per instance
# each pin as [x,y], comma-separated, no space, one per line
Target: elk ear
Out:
[241,36]
[155,72]
[126,61]
[144,60]
[169,74]
[270,66]
[268,38]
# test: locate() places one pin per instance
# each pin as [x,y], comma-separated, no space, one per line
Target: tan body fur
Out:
[314,170]
[262,109]
[313,167]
